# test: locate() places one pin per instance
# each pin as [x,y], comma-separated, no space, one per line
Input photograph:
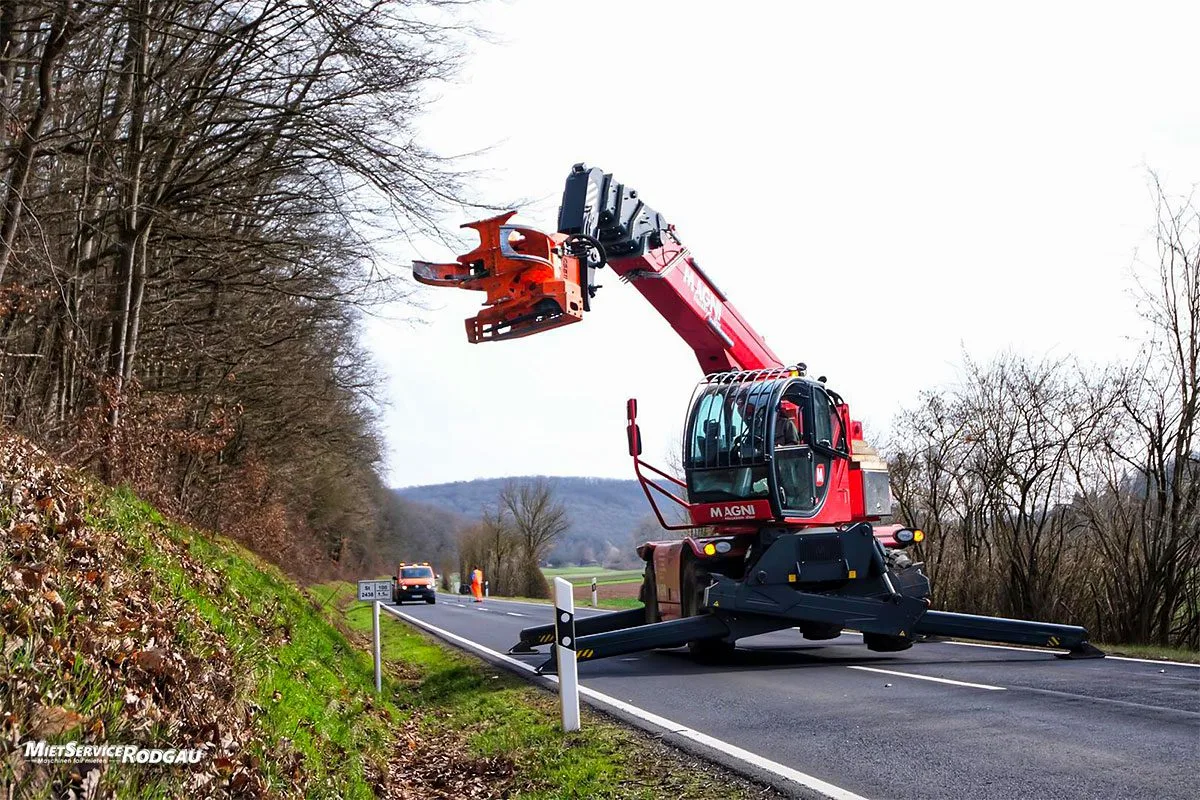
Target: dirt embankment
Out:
[95,651]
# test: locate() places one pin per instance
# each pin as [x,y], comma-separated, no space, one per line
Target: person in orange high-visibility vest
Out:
[477,584]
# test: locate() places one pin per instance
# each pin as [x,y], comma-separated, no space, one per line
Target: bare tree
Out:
[986,474]
[1053,491]
[1141,491]
[537,521]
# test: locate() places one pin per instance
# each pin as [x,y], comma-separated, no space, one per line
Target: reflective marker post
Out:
[564,648]
[486,591]
[594,603]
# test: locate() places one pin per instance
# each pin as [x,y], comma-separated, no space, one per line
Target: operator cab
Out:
[766,436]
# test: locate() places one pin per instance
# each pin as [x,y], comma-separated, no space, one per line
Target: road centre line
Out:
[753,759]
[547,605]
[930,678]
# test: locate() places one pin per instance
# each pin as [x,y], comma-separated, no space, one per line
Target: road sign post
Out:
[375,592]
[594,603]
[378,666]
[564,647]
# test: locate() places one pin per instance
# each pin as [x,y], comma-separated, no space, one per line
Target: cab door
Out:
[809,448]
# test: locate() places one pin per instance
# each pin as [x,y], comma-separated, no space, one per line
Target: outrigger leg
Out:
[623,632]
[544,634]
[1010,631]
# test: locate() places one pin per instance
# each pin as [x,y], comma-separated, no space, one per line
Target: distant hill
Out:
[605,514]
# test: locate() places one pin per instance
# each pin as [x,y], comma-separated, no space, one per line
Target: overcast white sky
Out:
[876,188]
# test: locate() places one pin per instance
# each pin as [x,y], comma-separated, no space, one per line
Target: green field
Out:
[583,575]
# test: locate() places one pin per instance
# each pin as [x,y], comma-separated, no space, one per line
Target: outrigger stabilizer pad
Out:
[1083,650]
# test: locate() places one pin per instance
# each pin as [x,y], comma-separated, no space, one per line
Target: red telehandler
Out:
[774,465]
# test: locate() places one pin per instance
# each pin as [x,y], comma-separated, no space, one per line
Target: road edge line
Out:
[651,722]
[1064,652]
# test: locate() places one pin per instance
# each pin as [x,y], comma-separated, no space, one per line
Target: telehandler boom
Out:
[774,465]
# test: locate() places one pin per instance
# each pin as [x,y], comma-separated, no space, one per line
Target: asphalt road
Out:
[941,720]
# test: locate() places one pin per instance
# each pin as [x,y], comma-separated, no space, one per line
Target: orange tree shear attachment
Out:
[531,284]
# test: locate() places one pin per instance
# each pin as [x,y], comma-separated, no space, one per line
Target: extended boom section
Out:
[643,249]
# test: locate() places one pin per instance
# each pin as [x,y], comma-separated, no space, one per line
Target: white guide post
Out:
[378,670]
[594,603]
[564,647]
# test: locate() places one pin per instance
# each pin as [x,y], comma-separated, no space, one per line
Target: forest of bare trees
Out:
[1054,490]
[187,187]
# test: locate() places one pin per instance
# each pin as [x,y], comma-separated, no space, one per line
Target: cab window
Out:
[727,449]
[416,572]
[827,424]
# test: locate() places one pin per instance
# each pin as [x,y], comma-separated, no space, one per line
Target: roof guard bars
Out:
[751,375]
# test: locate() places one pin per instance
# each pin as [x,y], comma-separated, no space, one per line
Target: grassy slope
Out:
[316,692]
[501,716]
[311,686]
[126,629]
[219,650]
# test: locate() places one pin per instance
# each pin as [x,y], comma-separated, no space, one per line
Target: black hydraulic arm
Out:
[674,633]
[1011,631]
[544,634]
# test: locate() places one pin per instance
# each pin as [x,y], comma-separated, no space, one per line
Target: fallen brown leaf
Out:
[52,721]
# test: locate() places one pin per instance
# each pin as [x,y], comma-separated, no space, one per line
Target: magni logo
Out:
[731,512]
[703,295]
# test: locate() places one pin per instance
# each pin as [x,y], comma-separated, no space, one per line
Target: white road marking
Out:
[929,678]
[1151,661]
[548,606]
[1046,650]
[1049,650]
[515,614]
[1005,647]
[787,773]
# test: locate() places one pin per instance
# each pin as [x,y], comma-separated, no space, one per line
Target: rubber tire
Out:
[707,650]
[648,594]
[430,600]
